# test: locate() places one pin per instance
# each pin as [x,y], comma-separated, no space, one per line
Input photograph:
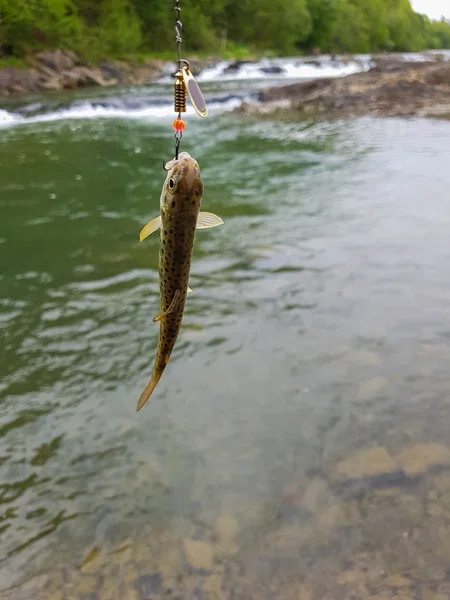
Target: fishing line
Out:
[184,84]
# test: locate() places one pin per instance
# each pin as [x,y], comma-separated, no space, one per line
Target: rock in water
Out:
[315,495]
[199,555]
[417,459]
[371,388]
[274,70]
[366,463]
[226,529]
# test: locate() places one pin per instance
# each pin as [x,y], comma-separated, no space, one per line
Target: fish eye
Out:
[171,183]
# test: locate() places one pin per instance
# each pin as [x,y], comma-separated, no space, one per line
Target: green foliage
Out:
[402,30]
[113,28]
[323,15]
[13,61]
[350,31]
[157,23]
[119,29]
[26,24]
[437,34]
[269,24]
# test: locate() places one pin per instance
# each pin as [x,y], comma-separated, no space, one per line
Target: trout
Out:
[180,216]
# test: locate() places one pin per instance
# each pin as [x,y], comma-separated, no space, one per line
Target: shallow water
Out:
[317,329]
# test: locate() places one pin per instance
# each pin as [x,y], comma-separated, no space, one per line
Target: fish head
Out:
[183,188]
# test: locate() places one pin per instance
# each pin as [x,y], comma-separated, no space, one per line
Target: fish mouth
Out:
[186,168]
[182,157]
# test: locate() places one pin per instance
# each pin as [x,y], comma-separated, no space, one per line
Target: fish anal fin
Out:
[151,226]
[206,220]
[189,290]
[171,308]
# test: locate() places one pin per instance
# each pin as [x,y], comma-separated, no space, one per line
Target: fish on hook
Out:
[180,216]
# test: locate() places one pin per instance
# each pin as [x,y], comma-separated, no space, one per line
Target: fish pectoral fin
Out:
[172,307]
[205,220]
[151,226]
[189,290]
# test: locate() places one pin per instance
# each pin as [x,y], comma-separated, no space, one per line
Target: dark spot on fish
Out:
[173,203]
[171,231]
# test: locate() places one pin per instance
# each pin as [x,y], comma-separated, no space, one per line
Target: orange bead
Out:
[179,125]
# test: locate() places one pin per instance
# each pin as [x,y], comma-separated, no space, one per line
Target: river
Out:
[297,445]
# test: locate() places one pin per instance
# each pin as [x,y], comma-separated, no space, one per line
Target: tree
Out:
[323,14]
[102,28]
[270,24]
[350,31]
[47,22]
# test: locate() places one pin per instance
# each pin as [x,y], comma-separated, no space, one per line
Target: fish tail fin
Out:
[149,389]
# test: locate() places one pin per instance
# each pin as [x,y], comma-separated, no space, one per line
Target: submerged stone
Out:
[85,585]
[397,581]
[199,555]
[149,586]
[315,494]
[366,463]
[348,577]
[417,459]
[372,388]
[226,528]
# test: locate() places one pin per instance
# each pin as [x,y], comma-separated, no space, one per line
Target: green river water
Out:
[298,443]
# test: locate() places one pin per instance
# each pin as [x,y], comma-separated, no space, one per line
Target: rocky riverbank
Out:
[393,87]
[59,70]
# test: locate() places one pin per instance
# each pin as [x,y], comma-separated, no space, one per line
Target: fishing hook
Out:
[178,137]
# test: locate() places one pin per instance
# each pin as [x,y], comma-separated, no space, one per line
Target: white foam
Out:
[86,110]
[7,119]
[286,69]
[425,56]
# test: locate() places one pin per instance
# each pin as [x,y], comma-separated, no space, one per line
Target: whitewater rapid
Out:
[227,85]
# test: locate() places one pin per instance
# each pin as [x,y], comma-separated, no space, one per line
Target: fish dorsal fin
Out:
[151,226]
[206,220]
[172,307]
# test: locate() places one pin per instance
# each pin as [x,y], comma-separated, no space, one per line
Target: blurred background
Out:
[99,28]
[297,446]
